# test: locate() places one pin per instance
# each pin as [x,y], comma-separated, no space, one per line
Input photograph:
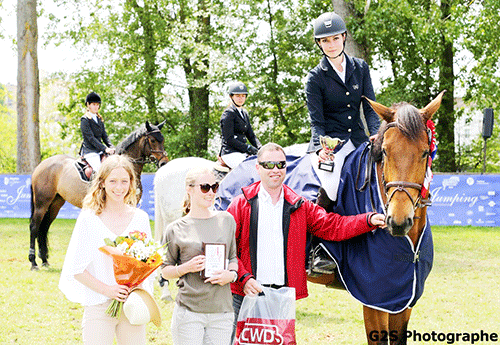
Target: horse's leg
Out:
[49,217]
[398,325]
[376,326]
[38,211]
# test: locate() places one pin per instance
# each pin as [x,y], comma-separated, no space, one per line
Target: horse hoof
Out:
[45,264]
[35,268]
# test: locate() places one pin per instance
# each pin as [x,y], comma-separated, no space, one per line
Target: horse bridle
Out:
[400,186]
[150,158]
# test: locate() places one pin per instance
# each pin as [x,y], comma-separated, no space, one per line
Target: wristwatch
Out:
[235,276]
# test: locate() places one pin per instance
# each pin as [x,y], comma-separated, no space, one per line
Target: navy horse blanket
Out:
[380,271]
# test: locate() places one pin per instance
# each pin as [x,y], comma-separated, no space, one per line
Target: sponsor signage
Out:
[456,199]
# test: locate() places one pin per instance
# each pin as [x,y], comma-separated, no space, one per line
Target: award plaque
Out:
[215,258]
[328,144]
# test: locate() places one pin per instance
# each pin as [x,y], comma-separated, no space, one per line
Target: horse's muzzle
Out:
[399,229]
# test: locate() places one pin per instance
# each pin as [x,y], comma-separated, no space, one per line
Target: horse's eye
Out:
[426,154]
[384,152]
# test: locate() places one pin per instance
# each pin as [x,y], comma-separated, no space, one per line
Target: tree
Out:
[482,78]
[7,141]
[28,89]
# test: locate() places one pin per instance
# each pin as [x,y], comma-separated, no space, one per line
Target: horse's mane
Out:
[132,138]
[409,122]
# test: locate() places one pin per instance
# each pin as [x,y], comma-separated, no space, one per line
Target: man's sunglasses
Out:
[270,165]
[205,187]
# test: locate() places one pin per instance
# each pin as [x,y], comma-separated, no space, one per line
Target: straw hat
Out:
[140,308]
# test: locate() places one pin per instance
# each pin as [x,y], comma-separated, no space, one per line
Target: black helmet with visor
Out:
[93,98]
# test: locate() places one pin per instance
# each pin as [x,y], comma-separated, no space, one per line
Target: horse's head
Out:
[153,144]
[403,148]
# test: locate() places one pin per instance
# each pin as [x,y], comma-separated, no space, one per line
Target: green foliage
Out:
[8,149]
[171,60]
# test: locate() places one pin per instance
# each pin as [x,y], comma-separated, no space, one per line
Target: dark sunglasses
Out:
[270,165]
[205,187]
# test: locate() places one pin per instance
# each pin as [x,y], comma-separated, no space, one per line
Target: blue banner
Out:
[15,196]
[465,200]
[456,199]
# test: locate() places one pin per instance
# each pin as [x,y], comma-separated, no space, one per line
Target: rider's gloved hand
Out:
[251,150]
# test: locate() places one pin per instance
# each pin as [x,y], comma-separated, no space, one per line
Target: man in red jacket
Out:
[272,223]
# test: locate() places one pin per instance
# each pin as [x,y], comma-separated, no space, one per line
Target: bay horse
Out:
[400,155]
[56,180]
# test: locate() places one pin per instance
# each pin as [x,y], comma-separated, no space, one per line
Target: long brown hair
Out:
[96,195]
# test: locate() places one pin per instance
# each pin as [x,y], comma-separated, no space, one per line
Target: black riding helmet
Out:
[329,24]
[93,98]
[237,88]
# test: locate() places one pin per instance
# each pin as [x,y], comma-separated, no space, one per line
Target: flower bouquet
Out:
[135,257]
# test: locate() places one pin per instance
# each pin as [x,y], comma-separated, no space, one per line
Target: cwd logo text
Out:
[258,333]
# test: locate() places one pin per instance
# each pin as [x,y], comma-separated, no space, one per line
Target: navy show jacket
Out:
[235,131]
[94,135]
[334,106]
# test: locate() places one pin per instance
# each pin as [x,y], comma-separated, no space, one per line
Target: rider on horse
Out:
[95,139]
[236,129]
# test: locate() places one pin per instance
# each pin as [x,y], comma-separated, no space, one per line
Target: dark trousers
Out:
[237,300]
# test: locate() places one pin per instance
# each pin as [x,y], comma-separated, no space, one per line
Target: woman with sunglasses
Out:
[203,313]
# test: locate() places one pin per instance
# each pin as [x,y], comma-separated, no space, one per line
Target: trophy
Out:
[329,145]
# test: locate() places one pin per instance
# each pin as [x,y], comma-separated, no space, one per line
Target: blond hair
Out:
[191,177]
[96,195]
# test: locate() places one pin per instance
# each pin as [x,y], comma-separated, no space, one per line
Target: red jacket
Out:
[300,216]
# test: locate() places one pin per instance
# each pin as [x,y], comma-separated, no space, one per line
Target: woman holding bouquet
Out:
[203,313]
[109,210]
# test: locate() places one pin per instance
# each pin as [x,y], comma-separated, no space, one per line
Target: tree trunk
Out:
[352,48]
[445,125]
[28,88]
[149,54]
[196,69]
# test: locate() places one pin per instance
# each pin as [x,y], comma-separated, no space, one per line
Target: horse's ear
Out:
[148,126]
[161,124]
[432,107]
[384,112]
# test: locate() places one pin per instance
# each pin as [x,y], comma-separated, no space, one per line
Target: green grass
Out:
[462,293]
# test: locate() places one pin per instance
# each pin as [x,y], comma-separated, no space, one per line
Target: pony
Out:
[394,262]
[57,180]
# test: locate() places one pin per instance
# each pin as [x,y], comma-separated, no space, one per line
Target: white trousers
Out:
[233,159]
[98,328]
[94,159]
[190,328]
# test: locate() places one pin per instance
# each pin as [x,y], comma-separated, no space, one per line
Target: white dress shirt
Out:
[341,74]
[270,251]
